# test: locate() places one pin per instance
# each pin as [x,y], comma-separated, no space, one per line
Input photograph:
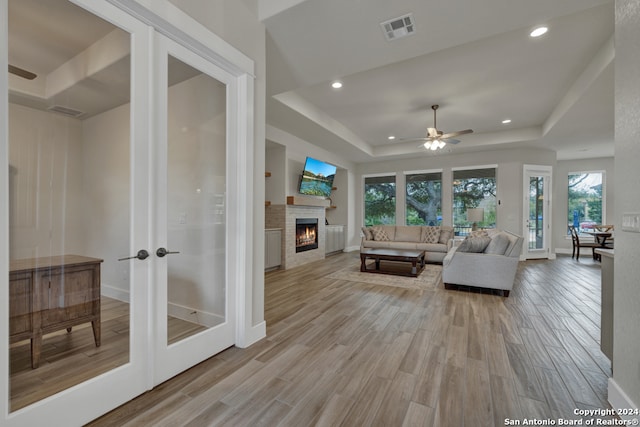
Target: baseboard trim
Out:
[253,334]
[621,402]
[115,293]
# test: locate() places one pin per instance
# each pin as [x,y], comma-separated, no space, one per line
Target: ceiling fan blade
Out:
[458,133]
[21,72]
[451,141]
[415,139]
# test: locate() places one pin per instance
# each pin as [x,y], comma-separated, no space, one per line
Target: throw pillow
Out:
[430,234]
[498,245]
[479,233]
[367,233]
[474,244]
[445,235]
[379,234]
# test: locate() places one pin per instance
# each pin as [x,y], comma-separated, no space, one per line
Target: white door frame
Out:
[546,172]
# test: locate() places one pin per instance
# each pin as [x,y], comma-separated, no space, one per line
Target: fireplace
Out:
[306,234]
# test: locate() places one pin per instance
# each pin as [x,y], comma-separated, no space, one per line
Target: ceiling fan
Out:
[22,72]
[436,139]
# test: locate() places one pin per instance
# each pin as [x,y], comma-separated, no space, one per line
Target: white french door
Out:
[73,161]
[129,151]
[194,303]
[537,209]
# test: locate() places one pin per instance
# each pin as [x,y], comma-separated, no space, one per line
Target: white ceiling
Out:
[473,58]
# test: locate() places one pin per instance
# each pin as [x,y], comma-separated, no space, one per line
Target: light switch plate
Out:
[631,222]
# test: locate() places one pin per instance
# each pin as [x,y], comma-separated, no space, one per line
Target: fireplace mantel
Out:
[307,201]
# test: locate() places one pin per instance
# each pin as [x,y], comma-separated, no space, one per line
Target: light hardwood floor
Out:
[69,359]
[355,354]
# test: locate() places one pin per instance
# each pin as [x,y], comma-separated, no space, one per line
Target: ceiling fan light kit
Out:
[436,139]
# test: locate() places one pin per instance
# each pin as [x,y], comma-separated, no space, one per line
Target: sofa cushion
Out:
[474,244]
[408,233]
[430,234]
[367,233]
[432,247]
[446,234]
[498,245]
[387,245]
[380,234]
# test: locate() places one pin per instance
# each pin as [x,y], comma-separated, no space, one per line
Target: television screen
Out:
[317,178]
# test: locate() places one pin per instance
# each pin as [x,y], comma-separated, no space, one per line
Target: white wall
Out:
[626,338]
[45,153]
[295,152]
[106,193]
[276,164]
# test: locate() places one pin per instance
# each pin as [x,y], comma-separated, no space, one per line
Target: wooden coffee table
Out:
[414,257]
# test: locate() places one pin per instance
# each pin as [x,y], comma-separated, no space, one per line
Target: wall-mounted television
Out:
[317,178]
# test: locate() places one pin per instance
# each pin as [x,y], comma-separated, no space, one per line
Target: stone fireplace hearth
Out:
[284,217]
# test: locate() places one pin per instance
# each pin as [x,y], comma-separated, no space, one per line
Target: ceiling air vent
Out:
[66,111]
[398,27]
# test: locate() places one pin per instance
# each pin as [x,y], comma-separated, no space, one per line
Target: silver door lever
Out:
[162,252]
[142,254]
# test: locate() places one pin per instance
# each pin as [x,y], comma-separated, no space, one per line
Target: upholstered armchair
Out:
[492,264]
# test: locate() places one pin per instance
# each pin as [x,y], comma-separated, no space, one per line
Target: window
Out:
[474,188]
[379,200]
[424,197]
[585,200]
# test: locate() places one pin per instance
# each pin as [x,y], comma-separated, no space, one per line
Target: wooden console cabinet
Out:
[49,294]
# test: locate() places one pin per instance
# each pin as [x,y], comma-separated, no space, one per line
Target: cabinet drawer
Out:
[66,295]
[20,309]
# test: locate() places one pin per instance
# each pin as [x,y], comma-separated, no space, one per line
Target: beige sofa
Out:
[488,261]
[434,240]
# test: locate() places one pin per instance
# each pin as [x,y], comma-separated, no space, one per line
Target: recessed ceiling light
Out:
[506,121]
[336,85]
[391,137]
[538,31]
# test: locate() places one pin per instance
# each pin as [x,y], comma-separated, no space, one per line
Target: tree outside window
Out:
[474,188]
[424,198]
[379,200]
[585,200]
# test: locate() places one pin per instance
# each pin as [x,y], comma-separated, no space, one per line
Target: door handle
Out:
[142,254]
[162,252]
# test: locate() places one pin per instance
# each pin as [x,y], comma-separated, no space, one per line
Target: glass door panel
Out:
[537,184]
[194,302]
[536,213]
[69,198]
[196,223]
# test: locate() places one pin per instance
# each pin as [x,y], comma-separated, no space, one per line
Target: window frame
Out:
[453,192]
[603,196]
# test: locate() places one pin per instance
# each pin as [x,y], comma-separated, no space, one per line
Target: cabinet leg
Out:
[36,346]
[95,324]
[69,329]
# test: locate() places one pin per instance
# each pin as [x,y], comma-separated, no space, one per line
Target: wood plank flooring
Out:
[341,353]
[69,359]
